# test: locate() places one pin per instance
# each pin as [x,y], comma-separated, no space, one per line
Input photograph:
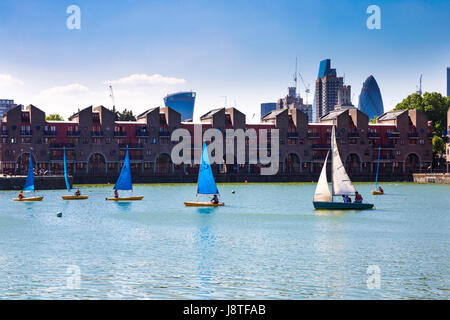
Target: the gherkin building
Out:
[370,101]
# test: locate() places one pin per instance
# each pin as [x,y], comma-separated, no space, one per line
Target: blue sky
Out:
[244,50]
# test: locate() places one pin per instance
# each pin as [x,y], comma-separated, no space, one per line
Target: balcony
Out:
[164,134]
[134,157]
[141,133]
[292,134]
[4,132]
[50,133]
[353,135]
[384,146]
[385,157]
[25,132]
[413,135]
[61,145]
[393,135]
[122,134]
[73,133]
[131,145]
[329,135]
[373,135]
[320,146]
[97,134]
[313,135]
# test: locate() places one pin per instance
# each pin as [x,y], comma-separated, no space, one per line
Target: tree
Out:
[54,117]
[435,107]
[125,115]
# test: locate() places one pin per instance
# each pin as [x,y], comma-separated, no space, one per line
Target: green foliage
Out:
[433,104]
[438,146]
[54,117]
[373,120]
[125,115]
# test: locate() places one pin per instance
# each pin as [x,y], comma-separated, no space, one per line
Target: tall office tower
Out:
[182,102]
[327,86]
[344,98]
[370,101]
[448,82]
[294,101]
[5,106]
[267,107]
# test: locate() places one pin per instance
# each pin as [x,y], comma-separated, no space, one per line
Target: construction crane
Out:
[307,90]
[419,87]
[111,94]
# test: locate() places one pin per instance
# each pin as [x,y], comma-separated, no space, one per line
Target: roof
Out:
[143,114]
[390,115]
[332,114]
[272,114]
[210,114]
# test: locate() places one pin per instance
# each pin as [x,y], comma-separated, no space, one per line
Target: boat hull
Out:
[342,205]
[377,193]
[203,204]
[126,198]
[29,199]
[74,197]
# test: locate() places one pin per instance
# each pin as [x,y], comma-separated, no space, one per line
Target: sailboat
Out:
[340,182]
[376,191]
[124,182]
[29,184]
[66,178]
[206,184]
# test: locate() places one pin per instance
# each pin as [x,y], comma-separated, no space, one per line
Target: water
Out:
[267,243]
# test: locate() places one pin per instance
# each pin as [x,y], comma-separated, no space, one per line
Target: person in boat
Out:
[21,194]
[380,189]
[358,197]
[116,194]
[215,199]
[78,193]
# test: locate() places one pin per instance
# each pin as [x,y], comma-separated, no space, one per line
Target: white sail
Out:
[322,193]
[340,180]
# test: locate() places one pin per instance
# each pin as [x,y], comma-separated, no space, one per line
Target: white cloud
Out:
[71,89]
[146,80]
[7,80]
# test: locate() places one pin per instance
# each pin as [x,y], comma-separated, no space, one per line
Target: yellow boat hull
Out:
[126,198]
[74,197]
[202,204]
[29,199]
[376,193]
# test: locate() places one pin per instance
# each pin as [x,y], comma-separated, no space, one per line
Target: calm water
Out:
[267,243]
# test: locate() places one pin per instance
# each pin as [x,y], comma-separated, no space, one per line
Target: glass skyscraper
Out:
[182,102]
[370,101]
[5,106]
[267,107]
[327,87]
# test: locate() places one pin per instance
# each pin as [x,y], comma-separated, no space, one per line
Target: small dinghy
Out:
[340,183]
[378,190]
[206,184]
[124,182]
[29,184]
[66,178]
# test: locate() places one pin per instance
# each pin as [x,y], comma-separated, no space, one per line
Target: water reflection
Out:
[205,243]
[124,206]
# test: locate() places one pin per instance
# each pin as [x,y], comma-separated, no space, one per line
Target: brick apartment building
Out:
[95,144]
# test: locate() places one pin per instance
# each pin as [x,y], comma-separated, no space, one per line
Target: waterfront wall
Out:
[443,178]
[40,183]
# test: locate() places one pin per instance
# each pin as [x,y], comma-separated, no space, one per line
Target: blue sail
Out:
[206,183]
[66,178]
[29,183]
[124,181]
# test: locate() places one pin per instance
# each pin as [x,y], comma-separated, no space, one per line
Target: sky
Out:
[232,53]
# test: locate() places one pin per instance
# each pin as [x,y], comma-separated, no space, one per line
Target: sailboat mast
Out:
[332,157]
[378,166]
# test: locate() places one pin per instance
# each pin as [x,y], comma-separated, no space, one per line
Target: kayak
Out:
[342,205]
[29,199]
[375,193]
[202,204]
[126,198]
[74,197]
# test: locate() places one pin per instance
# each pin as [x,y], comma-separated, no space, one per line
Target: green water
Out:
[266,243]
